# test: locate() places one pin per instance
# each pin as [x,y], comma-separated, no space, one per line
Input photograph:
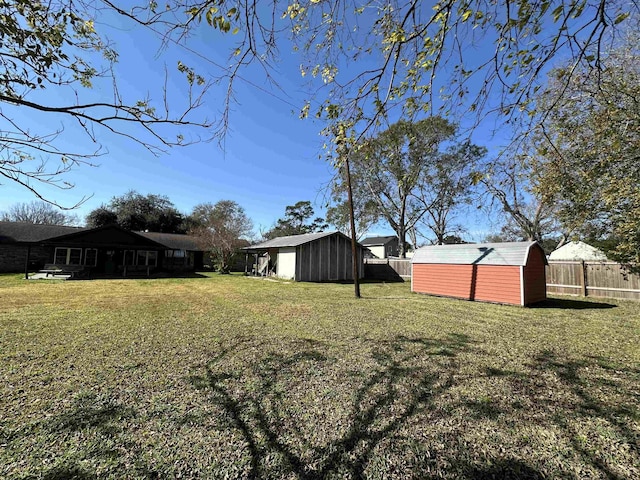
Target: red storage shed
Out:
[510,272]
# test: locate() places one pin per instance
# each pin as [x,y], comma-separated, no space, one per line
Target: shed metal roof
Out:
[23,232]
[290,240]
[507,253]
[370,241]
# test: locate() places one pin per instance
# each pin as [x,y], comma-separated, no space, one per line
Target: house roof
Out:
[291,240]
[507,253]
[371,241]
[23,232]
[576,251]
[174,241]
[107,236]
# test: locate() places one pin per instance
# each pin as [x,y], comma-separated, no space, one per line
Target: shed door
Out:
[286,263]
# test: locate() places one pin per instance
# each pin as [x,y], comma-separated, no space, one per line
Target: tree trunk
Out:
[402,233]
[354,247]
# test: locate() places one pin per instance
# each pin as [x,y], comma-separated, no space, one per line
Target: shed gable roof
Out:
[292,240]
[506,253]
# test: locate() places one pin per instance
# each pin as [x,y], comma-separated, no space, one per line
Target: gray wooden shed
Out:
[312,257]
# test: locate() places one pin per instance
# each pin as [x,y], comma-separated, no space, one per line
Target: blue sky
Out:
[271,158]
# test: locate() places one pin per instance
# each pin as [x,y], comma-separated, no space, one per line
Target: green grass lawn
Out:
[234,377]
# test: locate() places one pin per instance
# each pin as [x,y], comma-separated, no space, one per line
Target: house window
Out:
[68,256]
[179,253]
[129,257]
[147,258]
[141,257]
[91,257]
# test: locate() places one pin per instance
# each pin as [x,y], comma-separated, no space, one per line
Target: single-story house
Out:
[22,245]
[312,257]
[109,250]
[382,247]
[510,272]
[576,252]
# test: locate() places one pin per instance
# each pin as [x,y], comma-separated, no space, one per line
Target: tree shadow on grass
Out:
[503,469]
[91,411]
[98,417]
[377,405]
[405,407]
[601,393]
[68,472]
[570,304]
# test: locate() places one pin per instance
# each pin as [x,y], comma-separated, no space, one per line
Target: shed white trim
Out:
[521,285]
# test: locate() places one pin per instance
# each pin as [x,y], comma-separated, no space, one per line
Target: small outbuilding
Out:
[578,251]
[312,257]
[510,272]
[382,247]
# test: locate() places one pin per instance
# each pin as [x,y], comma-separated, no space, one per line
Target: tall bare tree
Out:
[38,212]
[512,182]
[390,167]
[446,184]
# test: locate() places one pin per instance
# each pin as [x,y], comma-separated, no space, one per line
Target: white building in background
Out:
[578,251]
[382,247]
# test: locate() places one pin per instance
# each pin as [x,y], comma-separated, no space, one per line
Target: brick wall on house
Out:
[12,257]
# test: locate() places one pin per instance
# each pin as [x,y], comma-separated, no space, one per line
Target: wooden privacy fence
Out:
[593,279]
[389,269]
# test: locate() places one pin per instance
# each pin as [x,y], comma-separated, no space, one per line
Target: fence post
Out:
[583,278]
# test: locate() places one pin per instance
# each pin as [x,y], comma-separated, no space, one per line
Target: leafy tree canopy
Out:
[298,219]
[222,228]
[366,212]
[405,173]
[589,146]
[138,212]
